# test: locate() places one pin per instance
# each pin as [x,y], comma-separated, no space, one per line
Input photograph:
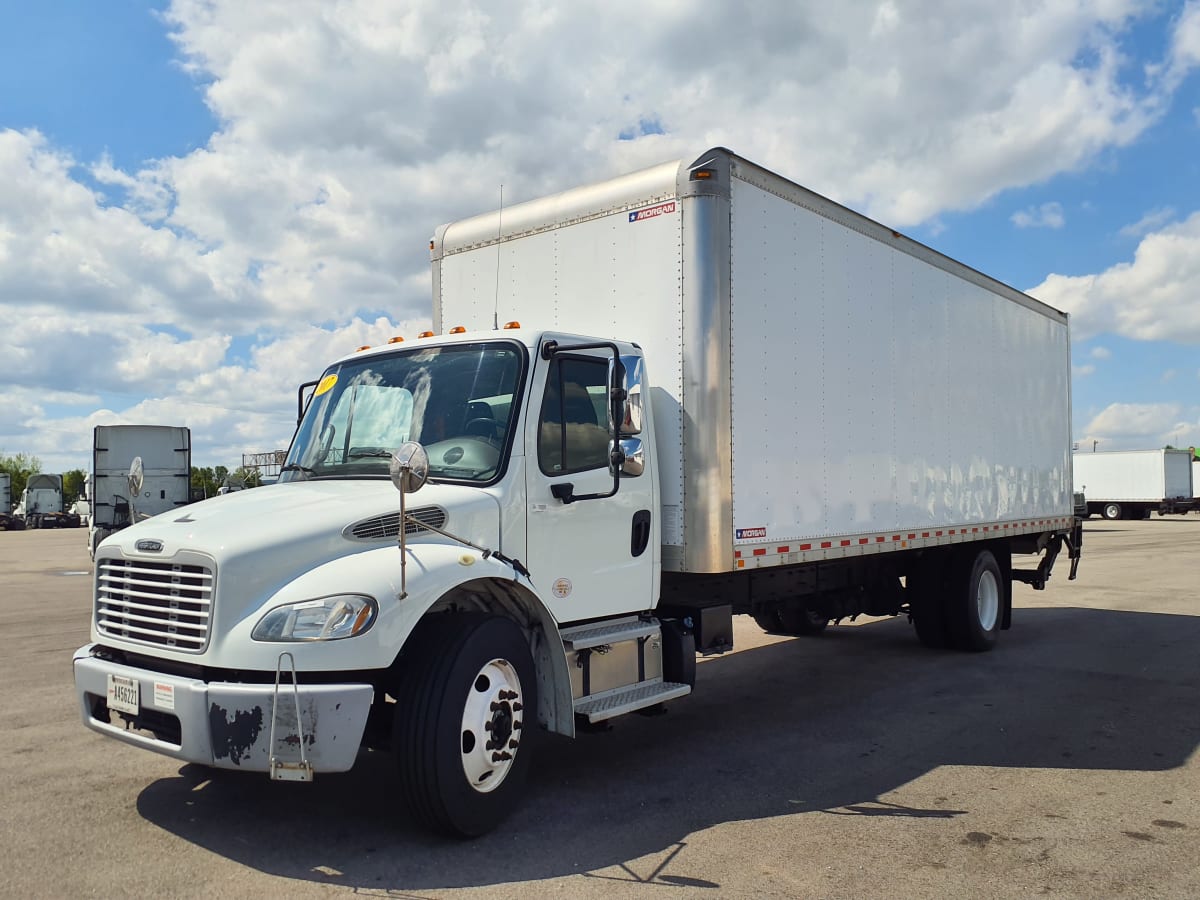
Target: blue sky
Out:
[203,201]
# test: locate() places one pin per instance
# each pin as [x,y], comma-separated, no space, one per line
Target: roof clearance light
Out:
[512,325]
[458,329]
[362,348]
[702,174]
[425,334]
[396,340]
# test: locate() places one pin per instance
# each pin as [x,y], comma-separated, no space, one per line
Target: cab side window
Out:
[572,433]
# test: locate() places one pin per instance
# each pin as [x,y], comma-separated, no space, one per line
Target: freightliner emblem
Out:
[145,546]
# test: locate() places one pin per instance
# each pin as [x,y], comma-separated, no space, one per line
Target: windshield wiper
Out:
[360,452]
[296,467]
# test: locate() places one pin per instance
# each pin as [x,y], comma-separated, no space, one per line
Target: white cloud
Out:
[1124,419]
[1083,371]
[1101,353]
[347,132]
[1151,221]
[1151,298]
[1142,426]
[1048,215]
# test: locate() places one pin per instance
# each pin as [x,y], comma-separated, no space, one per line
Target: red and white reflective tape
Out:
[770,553]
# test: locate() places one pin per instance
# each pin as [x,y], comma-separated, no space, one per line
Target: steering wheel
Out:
[484,427]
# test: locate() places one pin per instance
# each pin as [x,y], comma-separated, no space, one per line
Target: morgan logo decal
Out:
[145,546]
[562,588]
[747,534]
[651,212]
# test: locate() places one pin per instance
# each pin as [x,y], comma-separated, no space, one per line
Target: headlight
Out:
[323,619]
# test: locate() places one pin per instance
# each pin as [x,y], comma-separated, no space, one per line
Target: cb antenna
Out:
[499,224]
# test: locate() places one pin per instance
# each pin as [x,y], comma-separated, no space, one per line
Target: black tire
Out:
[925,587]
[801,621]
[768,621]
[470,680]
[975,603]
[1113,511]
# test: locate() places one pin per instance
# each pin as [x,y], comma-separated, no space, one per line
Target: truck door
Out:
[589,558]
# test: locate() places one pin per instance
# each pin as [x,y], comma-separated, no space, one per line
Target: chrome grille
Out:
[162,604]
[388,526]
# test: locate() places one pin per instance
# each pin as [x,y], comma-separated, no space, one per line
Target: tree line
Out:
[206,481]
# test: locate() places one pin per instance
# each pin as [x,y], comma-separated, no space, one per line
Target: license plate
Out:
[123,694]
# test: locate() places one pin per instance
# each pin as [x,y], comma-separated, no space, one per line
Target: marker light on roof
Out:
[458,329]
[396,340]
[512,324]
[425,334]
[362,348]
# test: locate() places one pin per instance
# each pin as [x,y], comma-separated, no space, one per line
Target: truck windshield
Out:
[457,400]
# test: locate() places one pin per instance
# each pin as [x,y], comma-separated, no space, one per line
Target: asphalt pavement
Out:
[858,764]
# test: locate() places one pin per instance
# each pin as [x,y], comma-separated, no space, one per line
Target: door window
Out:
[572,433]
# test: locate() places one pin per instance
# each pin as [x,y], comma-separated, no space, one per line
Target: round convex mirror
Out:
[136,476]
[409,468]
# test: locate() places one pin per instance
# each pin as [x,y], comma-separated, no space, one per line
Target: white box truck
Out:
[166,455]
[1196,479]
[41,504]
[1131,484]
[713,392]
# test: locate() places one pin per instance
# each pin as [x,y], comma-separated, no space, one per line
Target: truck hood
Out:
[263,538]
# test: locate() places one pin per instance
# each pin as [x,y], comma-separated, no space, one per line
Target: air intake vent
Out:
[380,528]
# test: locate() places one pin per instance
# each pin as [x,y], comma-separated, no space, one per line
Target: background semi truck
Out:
[166,454]
[646,405]
[1131,484]
[41,504]
[7,520]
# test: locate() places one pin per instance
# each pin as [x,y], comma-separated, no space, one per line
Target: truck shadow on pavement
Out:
[795,728]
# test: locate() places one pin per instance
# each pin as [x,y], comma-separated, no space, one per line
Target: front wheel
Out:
[466,711]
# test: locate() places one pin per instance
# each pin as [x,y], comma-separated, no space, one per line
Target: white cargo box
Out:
[822,385]
[166,454]
[1134,475]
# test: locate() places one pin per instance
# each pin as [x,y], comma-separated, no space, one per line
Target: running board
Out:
[628,699]
[585,637]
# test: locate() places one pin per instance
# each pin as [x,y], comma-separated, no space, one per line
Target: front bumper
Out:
[228,725]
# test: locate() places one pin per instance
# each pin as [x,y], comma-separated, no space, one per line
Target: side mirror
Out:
[137,477]
[409,468]
[632,422]
[616,396]
[633,462]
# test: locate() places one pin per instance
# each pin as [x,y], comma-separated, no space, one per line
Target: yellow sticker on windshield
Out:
[326,384]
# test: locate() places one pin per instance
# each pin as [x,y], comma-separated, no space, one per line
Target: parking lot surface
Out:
[857,764]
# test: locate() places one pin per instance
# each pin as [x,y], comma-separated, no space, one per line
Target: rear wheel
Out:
[768,621]
[925,587]
[975,604]
[802,621]
[466,710]
[1113,511]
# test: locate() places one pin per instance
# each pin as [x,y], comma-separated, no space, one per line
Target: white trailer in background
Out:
[716,393]
[1132,484]
[166,454]
[7,520]
[1196,479]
